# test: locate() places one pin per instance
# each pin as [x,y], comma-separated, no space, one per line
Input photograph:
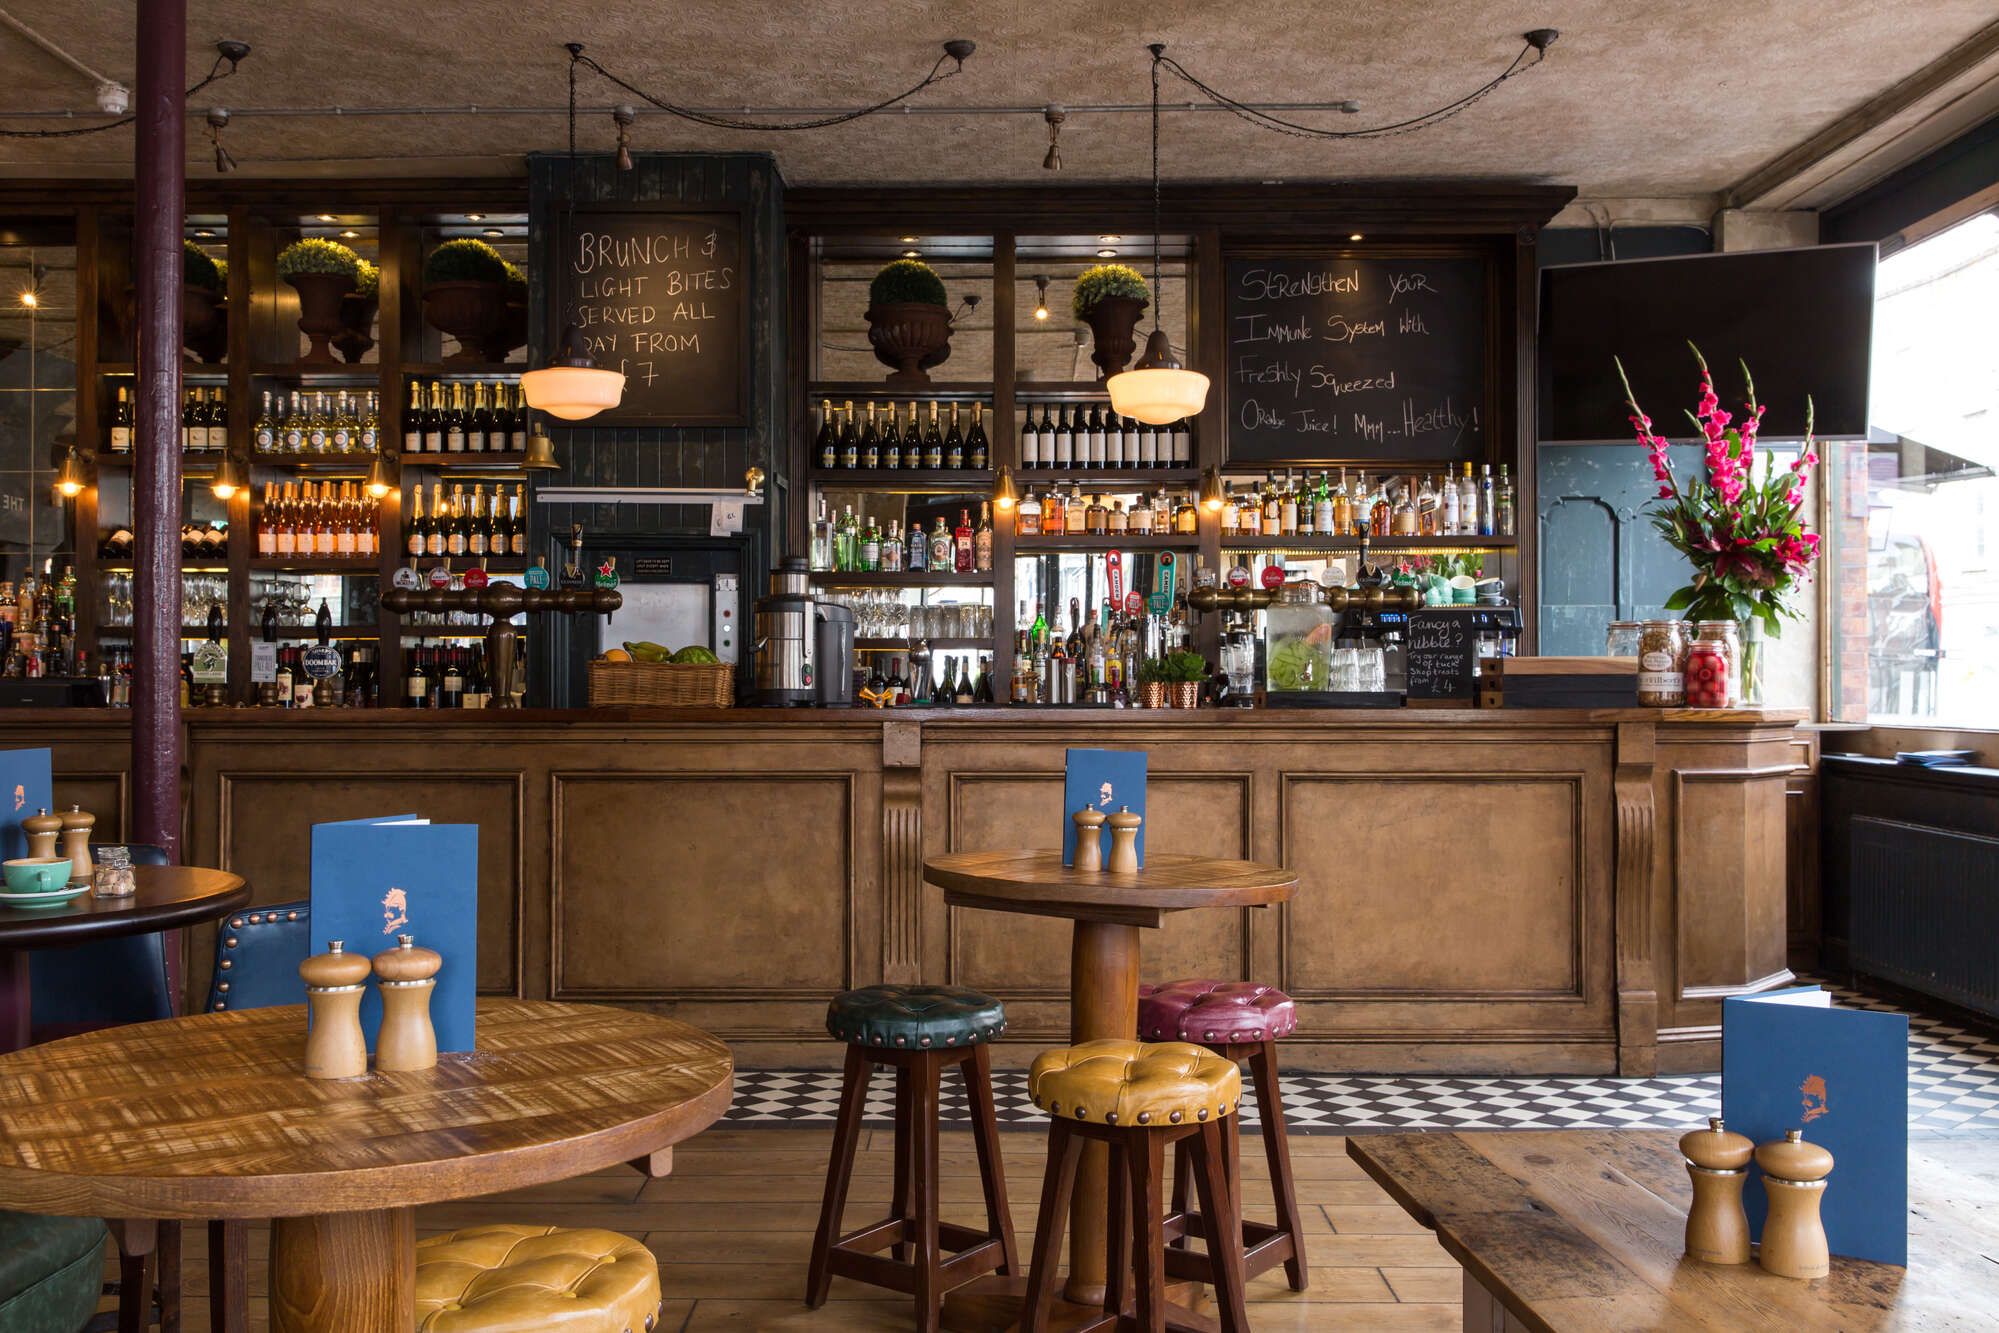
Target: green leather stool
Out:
[917,1031]
[51,1272]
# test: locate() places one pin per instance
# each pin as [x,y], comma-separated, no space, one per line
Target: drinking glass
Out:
[1373,669]
[1346,669]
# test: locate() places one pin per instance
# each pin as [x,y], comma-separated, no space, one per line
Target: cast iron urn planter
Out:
[204,323]
[1112,320]
[357,326]
[467,311]
[319,298]
[911,336]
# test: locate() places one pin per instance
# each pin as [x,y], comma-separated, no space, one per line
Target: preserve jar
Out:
[1662,658]
[1718,637]
[113,877]
[1621,640]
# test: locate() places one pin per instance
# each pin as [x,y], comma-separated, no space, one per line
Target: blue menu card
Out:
[25,787]
[1105,780]
[1790,1060]
[375,879]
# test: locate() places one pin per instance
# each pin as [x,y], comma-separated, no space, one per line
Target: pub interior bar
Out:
[1356,653]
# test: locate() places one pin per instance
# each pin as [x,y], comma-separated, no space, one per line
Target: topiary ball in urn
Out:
[1110,298]
[357,314]
[512,330]
[465,294]
[204,322]
[322,272]
[909,321]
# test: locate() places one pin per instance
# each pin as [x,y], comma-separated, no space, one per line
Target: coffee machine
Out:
[786,644]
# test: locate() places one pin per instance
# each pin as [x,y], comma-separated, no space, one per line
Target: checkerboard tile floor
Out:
[1953,1089]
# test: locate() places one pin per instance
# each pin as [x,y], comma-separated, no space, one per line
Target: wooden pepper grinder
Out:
[42,829]
[1089,841]
[334,980]
[76,826]
[1718,1163]
[1124,841]
[1794,1175]
[408,975]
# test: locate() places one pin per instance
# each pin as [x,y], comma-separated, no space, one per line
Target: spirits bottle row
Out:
[38,627]
[454,677]
[316,423]
[1095,437]
[486,417]
[888,681]
[1075,514]
[328,520]
[882,442]
[1418,505]
[468,525]
[1096,662]
[852,544]
[206,542]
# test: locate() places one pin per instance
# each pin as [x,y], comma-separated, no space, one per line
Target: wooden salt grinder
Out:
[42,829]
[1089,841]
[76,826]
[408,976]
[1794,1175]
[1124,842]
[1718,1163]
[334,980]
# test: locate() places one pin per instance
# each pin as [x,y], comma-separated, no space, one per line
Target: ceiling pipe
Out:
[103,84]
[1345,107]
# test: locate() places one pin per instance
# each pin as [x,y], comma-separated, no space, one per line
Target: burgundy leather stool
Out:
[1237,1020]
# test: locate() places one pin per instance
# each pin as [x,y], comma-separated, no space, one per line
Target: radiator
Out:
[1924,910]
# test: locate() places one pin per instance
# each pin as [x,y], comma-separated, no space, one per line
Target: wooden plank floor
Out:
[733,1228]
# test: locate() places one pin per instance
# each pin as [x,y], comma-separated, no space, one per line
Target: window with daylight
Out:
[1914,517]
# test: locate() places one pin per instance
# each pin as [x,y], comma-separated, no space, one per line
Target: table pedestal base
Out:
[993,1305]
[342,1272]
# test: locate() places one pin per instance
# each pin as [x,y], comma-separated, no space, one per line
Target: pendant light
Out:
[228,479]
[572,386]
[1158,390]
[71,480]
[381,477]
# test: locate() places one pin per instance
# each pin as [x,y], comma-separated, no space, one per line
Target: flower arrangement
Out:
[1744,535]
[1101,280]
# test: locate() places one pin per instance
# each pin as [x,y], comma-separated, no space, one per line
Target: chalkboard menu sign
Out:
[1344,358]
[1441,649]
[661,295]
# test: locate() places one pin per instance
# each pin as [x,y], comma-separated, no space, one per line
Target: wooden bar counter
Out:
[1508,891]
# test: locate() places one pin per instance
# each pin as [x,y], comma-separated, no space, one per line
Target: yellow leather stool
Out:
[509,1279]
[1138,1098]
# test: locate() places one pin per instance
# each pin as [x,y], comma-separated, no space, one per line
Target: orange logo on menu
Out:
[1817,1103]
[395,910]
[20,796]
[1104,795]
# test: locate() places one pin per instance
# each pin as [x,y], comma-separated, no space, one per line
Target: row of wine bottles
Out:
[208,542]
[474,525]
[316,424]
[1073,437]
[490,418]
[883,443]
[328,520]
[204,421]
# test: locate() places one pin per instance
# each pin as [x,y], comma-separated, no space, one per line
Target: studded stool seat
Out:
[915,1017]
[513,1279]
[1135,1083]
[1215,1011]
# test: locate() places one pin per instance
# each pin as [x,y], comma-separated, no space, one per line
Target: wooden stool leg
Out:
[1064,1151]
[1277,1150]
[168,1262]
[1145,1164]
[1183,1184]
[136,1241]
[898,1206]
[1231,1132]
[839,1170]
[1117,1231]
[977,1069]
[228,1281]
[924,1110]
[1224,1244]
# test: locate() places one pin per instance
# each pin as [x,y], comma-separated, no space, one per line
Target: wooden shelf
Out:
[900,579]
[189,370]
[1054,390]
[1098,478]
[463,370]
[903,645]
[286,564]
[1236,543]
[361,372]
[890,479]
[188,458]
[353,459]
[1120,541]
[863,390]
[509,459]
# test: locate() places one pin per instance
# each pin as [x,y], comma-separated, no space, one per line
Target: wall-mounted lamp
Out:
[227,479]
[1004,496]
[381,477]
[218,121]
[1041,297]
[1211,491]
[70,477]
[1054,115]
[623,116]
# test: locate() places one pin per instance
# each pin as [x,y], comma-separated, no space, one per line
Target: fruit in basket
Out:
[616,655]
[694,655]
[648,652]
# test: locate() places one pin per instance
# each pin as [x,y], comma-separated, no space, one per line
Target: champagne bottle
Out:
[479,423]
[517,537]
[954,443]
[978,449]
[433,421]
[933,443]
[871,442]
[415,545]
[454,421]
[475,523]
[891,445]
[413,420]
[850,439]
[826,445]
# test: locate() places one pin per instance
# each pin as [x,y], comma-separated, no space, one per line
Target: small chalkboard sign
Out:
[1333,358]
[661,294]
[1441,655]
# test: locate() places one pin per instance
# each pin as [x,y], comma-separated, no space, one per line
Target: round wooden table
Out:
[209,1116]
[166,897]
[1109,910]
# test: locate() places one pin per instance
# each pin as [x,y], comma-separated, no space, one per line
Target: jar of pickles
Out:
[1713,672]
[1662,664]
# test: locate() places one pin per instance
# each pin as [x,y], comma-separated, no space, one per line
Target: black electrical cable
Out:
[215,74]
[576,57]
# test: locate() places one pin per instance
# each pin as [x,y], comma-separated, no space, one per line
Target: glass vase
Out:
[1755,662]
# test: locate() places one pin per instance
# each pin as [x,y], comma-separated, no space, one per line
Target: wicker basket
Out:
[662,685]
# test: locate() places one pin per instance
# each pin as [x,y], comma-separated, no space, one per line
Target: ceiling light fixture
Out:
[475,217]
[218,121]
[1041,297]
[1107,253]
[912,254]
[1159,389]
[494,231]
[327,217]
[1354,237]
[348,233]
[381,477]
[622,117]
[1110,240]
[1054,115]
[907,240]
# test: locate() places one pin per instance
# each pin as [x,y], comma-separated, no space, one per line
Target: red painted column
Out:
[159,166]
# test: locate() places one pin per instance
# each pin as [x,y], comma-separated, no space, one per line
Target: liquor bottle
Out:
[826,445]
[1096,518]
[419,526]
[438,538]
[850,439]
[1503,506]
[917,558]
[978,449]
[1065,439]
[982,540]
[1428,509]
[433,420]
[1402,517]
[871,442]
[121,421]
[317,425]
[1468,503]
[1450,509]
[475,523]
[1488,511]
[964,693]
[954,443]
[871,547]
[846,543]
[1027,517]
[454,421]
[892,548]
[479,425]
[1053,520]
[943,556]
[1287,508]
[369,439]
[933,442]
[413,416]
[1030,438]
[891,445]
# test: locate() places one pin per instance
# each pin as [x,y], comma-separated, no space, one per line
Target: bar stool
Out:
[514,1279]
[917,1031]
[1237,1020]
[1137,1098]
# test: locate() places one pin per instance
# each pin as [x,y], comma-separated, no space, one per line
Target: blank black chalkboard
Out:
[1338,358]
[1441,648]
[660,293]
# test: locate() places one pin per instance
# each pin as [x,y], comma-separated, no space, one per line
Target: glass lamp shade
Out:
[1158,390]
[572,392]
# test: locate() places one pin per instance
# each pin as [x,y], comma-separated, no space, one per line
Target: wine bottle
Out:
[121,421]
[475,523]
[933,442]
[891,441]
[871,442]
[479,423]
[187,420]
[1065,439]
[978,449]
[1030,440]
[370,438]
[517,514]
[826,446]
[954,443]
[433,420]
[413,420]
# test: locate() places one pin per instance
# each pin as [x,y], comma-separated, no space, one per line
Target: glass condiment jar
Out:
[1299,639]
[1662,665]
[1713,670]
[1726,637]
[114,878]
[1621,640]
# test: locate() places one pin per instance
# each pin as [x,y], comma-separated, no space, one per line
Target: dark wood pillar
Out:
[159,166]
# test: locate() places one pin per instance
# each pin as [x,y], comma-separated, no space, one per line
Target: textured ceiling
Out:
[1642,97]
